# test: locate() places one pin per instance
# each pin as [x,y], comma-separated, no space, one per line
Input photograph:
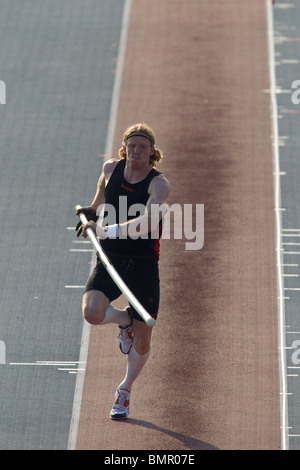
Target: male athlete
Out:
[134,177]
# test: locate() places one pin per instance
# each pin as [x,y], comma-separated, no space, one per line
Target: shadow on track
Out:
[189,442]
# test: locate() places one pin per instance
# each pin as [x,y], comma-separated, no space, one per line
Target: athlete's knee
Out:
[142,338]
[142,347]
[93,309]
[92,315]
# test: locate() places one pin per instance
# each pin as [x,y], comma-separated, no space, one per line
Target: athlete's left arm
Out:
[159,190]
[155,208]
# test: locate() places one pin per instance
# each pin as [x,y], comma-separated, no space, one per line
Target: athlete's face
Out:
[138,151]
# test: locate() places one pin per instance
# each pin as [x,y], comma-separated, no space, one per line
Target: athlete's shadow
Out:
[189,442]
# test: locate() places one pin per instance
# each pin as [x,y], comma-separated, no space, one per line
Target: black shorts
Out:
[141,275]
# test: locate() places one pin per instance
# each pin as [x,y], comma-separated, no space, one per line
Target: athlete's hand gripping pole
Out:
[150,321]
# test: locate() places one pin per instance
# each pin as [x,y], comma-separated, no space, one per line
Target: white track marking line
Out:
[108,151]
[74,287]
[81,250]
[72,367]
[276,169]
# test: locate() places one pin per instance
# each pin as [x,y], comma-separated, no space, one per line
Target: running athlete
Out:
[134,177]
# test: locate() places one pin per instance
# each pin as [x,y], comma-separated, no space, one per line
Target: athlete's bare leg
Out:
[97,310]
[141,337]
[138,354]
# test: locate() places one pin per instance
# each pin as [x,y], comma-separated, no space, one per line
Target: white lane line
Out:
[81,250]
[74,287]
[118,80]
[277,194]
[291,243]
[284,6]
[108,151]
[40,364]
[72,367]
[290,61]
[278,90]
[68,363]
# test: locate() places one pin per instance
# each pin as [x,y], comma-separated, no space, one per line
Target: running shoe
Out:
[120,408]
[125,337]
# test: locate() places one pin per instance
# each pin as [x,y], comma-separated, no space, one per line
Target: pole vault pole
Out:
[150,321]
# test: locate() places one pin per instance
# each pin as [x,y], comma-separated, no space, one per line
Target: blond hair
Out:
[142,129]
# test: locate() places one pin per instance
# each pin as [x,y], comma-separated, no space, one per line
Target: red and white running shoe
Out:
[120,408]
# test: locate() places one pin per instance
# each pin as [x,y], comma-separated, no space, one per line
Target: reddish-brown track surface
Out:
[195,71]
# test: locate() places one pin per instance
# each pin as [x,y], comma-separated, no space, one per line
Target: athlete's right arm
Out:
[107,171]
[99,196]
[99,199]
[91,211]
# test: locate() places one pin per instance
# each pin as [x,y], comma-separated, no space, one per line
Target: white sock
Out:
[135,363]
[114,315]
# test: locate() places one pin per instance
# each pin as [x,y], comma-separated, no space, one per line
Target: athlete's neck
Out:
[135,175]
